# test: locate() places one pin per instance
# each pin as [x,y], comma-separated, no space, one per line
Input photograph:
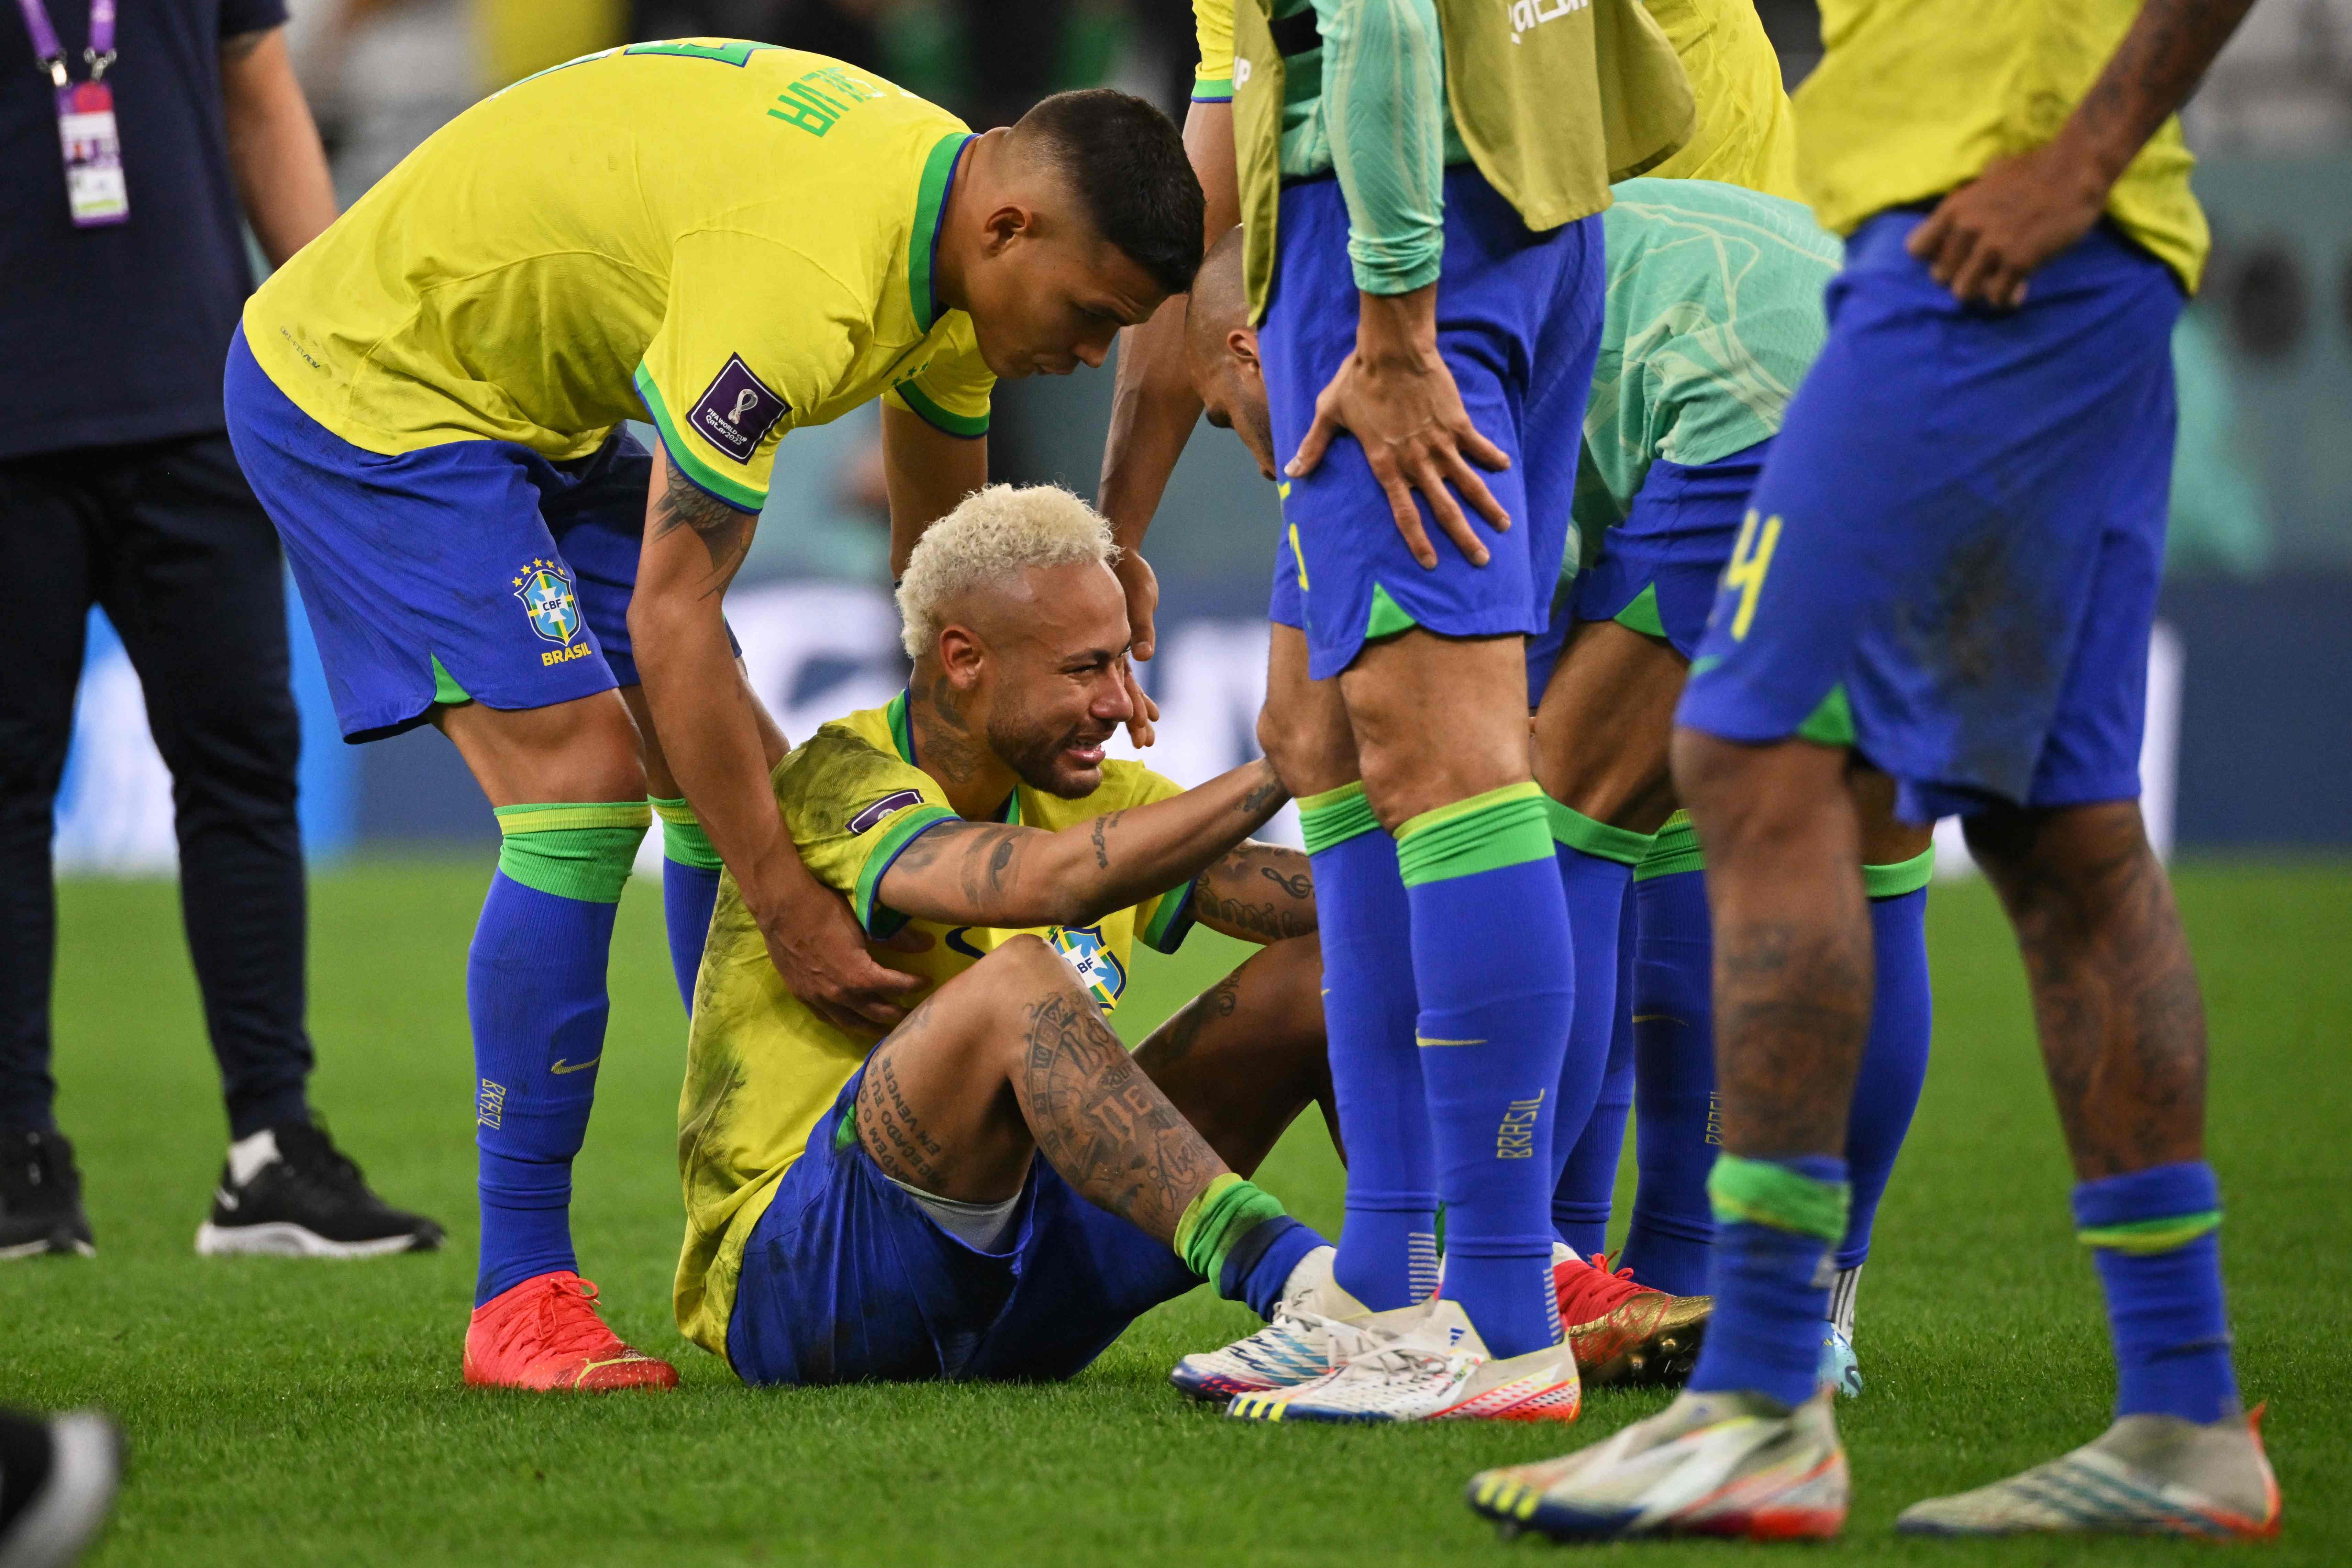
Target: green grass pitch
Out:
[287,1412]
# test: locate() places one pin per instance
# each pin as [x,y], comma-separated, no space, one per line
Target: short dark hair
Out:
[1126,163]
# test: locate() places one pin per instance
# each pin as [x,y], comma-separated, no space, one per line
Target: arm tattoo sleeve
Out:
[724,532]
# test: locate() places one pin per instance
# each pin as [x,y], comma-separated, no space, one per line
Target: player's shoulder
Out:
[850,768]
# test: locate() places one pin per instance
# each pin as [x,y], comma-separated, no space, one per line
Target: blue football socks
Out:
[535,995]
[1894,1061]
[1676,1136]
[1492,967]
[1775,1223]
[1588,1180]
[2160,1261]
[1388,1247]
[1596,871]
[1235,1234]
[690,872]
[1675,1104]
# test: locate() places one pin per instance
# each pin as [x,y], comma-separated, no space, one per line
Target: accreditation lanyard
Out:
[93,146]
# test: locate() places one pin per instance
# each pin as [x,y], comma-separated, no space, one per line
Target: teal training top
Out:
[1715,314]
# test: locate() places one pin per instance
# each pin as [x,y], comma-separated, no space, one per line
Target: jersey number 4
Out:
[1751,557]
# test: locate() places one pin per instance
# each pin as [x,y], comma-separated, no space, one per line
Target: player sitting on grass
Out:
[732,240]
[859,1211]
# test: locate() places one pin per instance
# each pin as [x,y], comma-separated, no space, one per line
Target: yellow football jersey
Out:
[1745,134]
[729,238]
[762,1068]
[1913,97]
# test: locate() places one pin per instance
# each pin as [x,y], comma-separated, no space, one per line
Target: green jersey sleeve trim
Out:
[1212,89]
[970,427]
[910,826]
[703,477]
[923,236]
[1171,922]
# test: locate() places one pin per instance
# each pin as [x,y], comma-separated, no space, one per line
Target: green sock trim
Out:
[683,839]
[1578,831]
[1223,1212]
[1900,876]
[1485,833]
[1831,723]
[580,851]
[1335,816]
[1642,616]
[2146,1236]
[1386,618]
[1762,1192]
[445,689]
[1675,848]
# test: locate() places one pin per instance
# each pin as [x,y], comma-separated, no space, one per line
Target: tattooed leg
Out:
[1011,1058]
[1241,1060]
[2115,998]
[1792,955]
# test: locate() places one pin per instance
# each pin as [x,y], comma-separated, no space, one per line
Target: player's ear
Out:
[1242,344]
[962,657]
[1008,223]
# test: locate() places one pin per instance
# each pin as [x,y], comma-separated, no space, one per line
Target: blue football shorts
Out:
[845,1278]
[1519,325]
[1658,570]
[1962,525]
[472,571]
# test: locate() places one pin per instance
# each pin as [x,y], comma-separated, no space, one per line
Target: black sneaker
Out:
[306,1200]
[56,1485]
[40,1197]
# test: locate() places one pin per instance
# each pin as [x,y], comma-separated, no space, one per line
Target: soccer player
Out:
[1715,316]
[997,1189]
[1420,325]
[731,239]
[1949,567]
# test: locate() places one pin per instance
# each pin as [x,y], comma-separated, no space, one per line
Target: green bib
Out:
[1554,99]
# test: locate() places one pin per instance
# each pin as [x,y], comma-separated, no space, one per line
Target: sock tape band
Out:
[574,850]
[683,839]
[1489,831]
[1766,1191]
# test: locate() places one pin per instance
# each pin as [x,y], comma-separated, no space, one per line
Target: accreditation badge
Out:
[93,148]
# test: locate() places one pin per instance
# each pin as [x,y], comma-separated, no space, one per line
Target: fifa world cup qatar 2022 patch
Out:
[736,415]
[883,807]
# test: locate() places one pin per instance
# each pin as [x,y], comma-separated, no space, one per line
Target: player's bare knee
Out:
[1786,794]
[2073,855]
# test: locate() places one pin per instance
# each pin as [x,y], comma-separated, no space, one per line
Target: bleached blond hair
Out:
[994,534]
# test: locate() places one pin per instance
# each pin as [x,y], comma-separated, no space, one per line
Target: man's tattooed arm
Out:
[724,532]
[1260,892]
[998,874]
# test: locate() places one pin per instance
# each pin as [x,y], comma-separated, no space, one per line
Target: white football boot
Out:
[1709,1464]
[2145,1475]
[1423,1364]
[1293,1348]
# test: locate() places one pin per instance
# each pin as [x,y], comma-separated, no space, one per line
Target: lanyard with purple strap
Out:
[93,144]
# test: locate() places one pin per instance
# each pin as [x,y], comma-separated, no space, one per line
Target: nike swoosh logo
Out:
[560,1066]
[1427,1040]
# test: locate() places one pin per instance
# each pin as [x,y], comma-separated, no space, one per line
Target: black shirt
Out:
[118,334]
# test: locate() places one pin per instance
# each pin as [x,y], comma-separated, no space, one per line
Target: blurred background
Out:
[2249,745]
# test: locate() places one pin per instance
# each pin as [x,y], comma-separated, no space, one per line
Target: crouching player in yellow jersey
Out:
[731,240]
[997,1189]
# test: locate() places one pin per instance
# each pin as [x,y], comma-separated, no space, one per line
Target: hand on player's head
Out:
[1090,217]
[1221,350]
[1016,622]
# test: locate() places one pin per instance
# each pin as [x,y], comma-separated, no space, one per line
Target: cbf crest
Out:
[548,600]
[1099,968]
